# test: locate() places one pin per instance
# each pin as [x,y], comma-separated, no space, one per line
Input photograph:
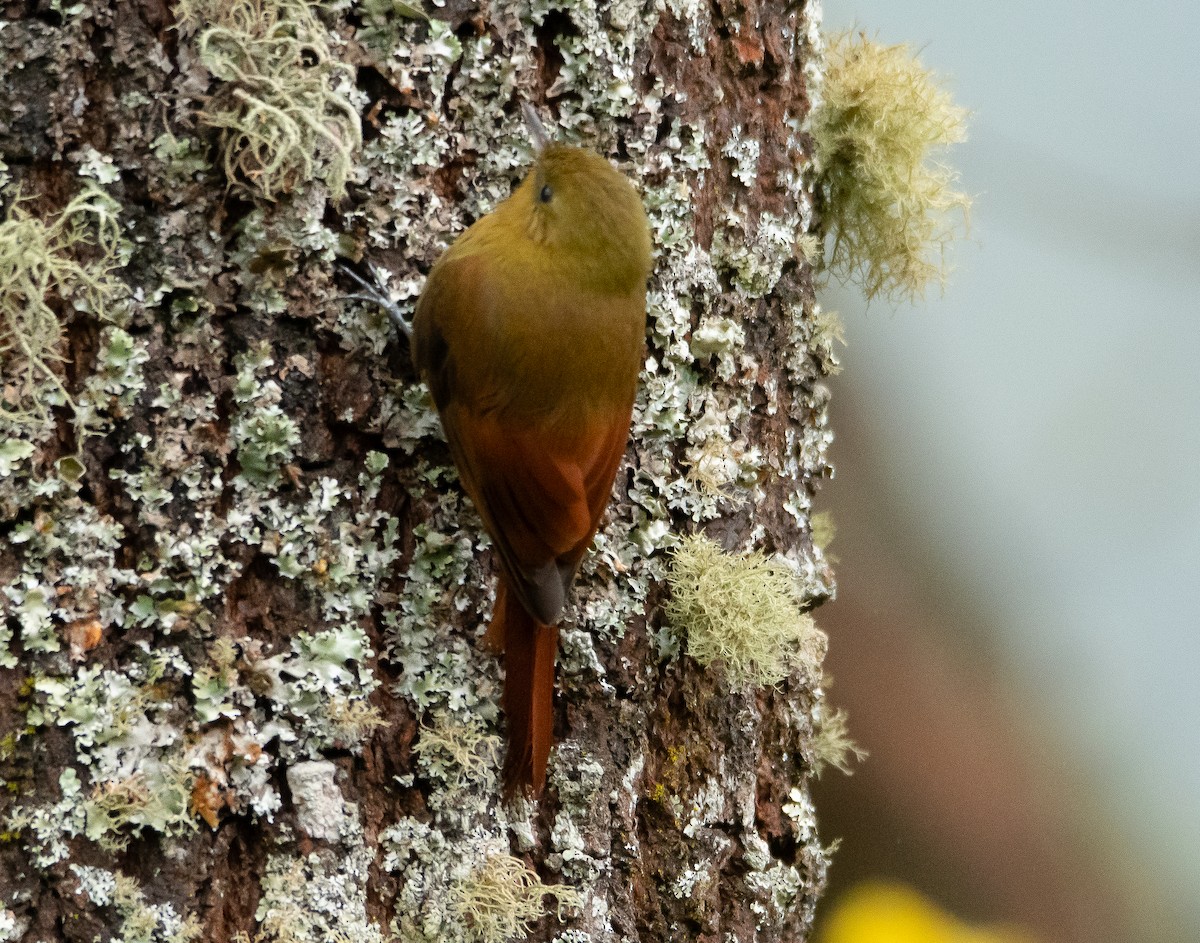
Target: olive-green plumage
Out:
[530,334]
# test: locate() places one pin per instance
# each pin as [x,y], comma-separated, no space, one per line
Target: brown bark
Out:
[246,693]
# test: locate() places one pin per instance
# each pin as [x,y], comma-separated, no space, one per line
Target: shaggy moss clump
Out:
[503,899]
[740,610]
[832,746]
[283,106]
[891,207]
[457,752]
[69,260]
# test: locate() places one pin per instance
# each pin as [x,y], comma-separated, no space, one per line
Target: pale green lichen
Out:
[264,435]
[118,810]
[892,208]
[778,887]
[46,828]
[97,166]
[141,922]
[65,574]
[742,611]
[322,670]
[577,780]
[138,781]
[214,684]
[744,152]
[382,20]
[461,885]
[118,376]
[320,897]
[431,862]
[283,106]
[13,453]
[311,697]
[182,158]
[755,256]
[438,671]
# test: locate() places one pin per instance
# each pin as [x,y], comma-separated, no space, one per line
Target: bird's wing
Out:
[541,499]
[539,488]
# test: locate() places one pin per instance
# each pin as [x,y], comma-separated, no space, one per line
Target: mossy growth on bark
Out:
[283,103]
[741,610]
[68,259]
[890,205]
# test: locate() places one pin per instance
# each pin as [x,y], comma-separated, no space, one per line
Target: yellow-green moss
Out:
[457,752]
[823,530]
[65,261]
[890,206]
[283,104]
[503,899]
[832,746]
[740,610]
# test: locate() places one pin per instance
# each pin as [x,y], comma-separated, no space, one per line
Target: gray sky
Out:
[1042,419]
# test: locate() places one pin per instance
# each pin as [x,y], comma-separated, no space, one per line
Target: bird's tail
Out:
[529,651]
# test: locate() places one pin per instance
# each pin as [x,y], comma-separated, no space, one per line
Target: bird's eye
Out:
[546,194]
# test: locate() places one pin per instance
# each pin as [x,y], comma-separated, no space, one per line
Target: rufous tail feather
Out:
[529,651]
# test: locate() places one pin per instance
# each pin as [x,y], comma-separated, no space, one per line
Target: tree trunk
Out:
[242,691]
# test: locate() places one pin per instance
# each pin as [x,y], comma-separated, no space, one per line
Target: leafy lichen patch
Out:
[319,897]
[140,921]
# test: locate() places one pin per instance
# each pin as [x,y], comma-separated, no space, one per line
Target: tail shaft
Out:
[529,651]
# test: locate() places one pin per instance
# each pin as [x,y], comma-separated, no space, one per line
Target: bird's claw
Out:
[371,292]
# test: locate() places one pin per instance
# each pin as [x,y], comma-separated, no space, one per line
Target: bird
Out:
[530,334]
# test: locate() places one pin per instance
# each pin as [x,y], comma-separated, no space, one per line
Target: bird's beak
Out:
[536,129]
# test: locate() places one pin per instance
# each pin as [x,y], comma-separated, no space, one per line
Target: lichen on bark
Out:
[243,592]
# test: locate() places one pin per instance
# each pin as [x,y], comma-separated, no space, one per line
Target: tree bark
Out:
[243,695]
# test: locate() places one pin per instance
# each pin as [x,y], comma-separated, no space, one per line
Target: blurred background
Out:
[1018,495]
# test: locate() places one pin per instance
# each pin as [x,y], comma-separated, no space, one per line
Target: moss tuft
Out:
[823,530]
[890,206]
[42,263]
[283,106]
[832,745]
[457,752]
[741,611]
[351,721]
[503,899]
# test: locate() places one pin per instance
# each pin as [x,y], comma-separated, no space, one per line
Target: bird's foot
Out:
[371,292]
